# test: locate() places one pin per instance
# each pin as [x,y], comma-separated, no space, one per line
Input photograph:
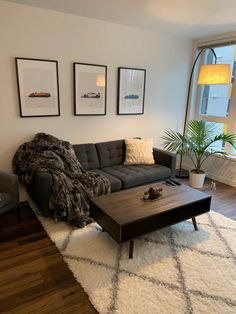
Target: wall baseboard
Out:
[215,177]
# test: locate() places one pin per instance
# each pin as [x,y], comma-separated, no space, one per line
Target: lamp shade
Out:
[214,74]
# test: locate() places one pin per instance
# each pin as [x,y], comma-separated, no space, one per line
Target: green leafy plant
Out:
[197,141]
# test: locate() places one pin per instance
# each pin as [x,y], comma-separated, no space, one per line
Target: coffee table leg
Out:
[131,248]
[195,223]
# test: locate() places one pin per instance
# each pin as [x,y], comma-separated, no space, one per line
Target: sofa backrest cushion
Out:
[111,153]
[87,156]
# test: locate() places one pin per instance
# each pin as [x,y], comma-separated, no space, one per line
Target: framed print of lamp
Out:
[209,74]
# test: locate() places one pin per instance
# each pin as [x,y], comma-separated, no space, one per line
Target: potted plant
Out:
[197,144]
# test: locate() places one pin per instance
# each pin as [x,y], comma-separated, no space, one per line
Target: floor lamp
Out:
[209,74]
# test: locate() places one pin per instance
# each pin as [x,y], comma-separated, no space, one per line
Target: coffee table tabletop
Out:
[125,215]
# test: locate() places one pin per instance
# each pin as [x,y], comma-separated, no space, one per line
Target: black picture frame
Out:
[90,89]
[38,87]
[131,91]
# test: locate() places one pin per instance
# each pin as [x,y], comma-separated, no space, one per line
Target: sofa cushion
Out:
[116,184]
[87,155]
[139,152]
[138,174]
[111,153]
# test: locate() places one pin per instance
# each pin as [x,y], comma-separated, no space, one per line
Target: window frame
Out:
[230,119]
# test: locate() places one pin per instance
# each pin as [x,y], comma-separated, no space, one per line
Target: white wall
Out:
[37,33]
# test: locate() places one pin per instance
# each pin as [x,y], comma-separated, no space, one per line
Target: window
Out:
[234,149]
[217,103]
[219,128]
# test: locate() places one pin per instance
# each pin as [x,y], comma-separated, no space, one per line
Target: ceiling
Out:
[189,18]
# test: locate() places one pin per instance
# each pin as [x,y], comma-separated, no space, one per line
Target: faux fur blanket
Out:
[72,186]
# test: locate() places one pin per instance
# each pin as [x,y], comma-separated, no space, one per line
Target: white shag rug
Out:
[174,270]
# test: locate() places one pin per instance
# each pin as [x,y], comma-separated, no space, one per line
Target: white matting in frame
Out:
[131,91]
[38,87]
[90,81]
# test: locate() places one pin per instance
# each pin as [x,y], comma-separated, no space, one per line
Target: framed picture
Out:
[90,92]
[38,87]
[131,91]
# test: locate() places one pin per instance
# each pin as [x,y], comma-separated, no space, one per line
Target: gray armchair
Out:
[9,193]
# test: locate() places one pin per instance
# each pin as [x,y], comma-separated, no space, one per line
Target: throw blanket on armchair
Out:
[72,185]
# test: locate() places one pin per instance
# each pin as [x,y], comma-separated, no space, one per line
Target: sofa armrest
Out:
[165,158]
[9,184]
[40,191]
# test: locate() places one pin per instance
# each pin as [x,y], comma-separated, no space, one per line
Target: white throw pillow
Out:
[139,152]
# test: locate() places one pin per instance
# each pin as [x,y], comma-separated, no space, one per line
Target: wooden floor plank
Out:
[33,276]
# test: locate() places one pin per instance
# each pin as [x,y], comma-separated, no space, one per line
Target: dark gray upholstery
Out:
[9,191]
[40,191]
[164,158]
[111,153]
[138,174]
[116,184]
[87,156]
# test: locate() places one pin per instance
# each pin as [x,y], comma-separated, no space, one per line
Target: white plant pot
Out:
[196,179]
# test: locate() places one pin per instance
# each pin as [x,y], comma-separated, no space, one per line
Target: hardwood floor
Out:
[223,198]
[33,275]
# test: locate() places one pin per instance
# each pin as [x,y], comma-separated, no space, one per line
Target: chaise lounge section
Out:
[107,158]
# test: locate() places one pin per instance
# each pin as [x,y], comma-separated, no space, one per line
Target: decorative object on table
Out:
[90,88]
[209,74]
[152,193]
[131,91]
[196,144]
[139,152]
[146,195]
[38,87]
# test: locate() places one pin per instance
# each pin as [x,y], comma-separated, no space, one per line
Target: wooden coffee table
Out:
[125,215]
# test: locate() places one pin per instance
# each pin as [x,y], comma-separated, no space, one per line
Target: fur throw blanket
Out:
[72,185]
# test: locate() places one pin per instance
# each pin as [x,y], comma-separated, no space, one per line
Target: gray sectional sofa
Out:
[107,158]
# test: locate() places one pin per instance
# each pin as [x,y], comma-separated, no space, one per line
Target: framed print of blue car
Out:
[90,81]
[131,91]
